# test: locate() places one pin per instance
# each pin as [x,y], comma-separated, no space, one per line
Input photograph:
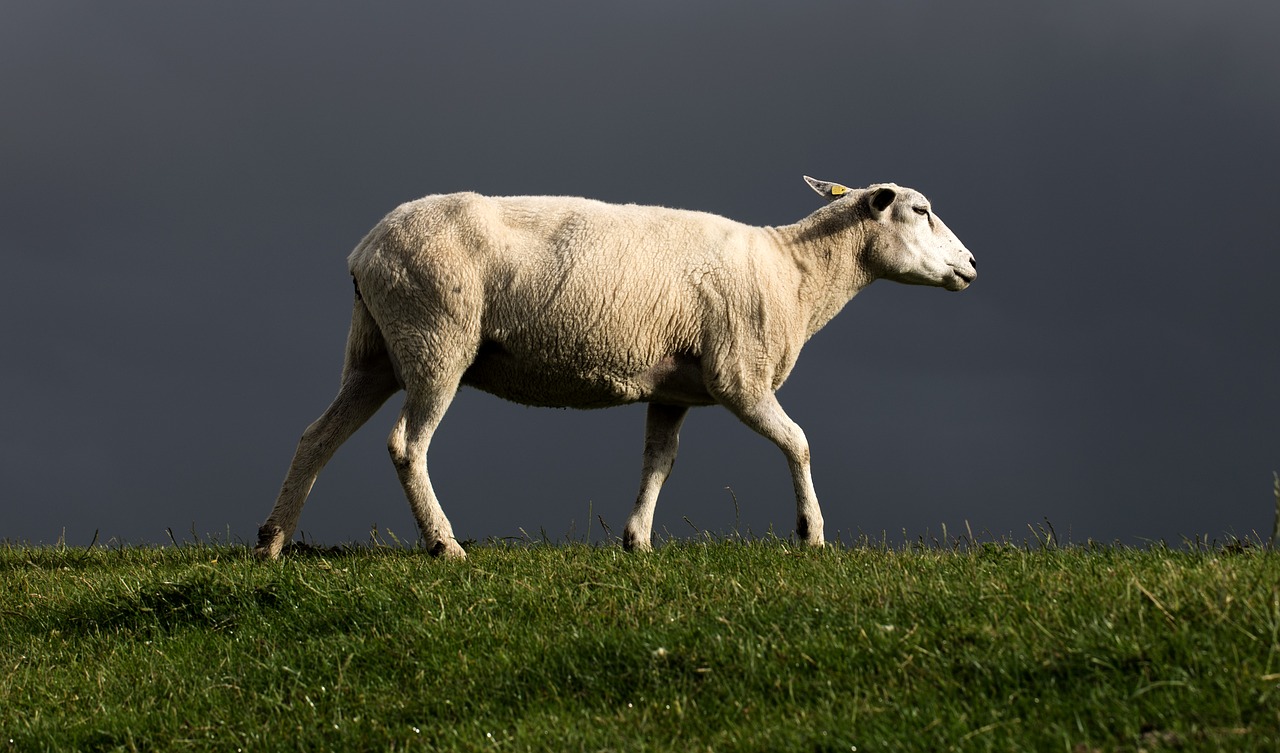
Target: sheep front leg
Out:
[767,418]
[661,440]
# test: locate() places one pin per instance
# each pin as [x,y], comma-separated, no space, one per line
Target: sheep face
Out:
[910,244]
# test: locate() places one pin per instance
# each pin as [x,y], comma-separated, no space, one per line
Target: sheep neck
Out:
[827,249]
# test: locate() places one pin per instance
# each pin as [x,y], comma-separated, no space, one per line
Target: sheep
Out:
[572,302]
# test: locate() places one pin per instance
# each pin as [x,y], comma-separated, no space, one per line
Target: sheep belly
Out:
[674,380]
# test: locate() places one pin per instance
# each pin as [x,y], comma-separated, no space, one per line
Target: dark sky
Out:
[180,185]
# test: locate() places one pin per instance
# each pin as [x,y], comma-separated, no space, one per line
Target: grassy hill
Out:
[723,646]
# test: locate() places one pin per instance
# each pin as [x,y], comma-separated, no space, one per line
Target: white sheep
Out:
[569,302]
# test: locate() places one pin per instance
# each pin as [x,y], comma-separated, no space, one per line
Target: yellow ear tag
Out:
[838,190]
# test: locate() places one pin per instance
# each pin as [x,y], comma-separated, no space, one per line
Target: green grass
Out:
[720,646]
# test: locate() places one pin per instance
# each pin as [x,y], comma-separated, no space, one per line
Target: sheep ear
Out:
[880,199]
[829,191]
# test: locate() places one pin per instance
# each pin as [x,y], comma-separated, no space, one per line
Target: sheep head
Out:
[905,241]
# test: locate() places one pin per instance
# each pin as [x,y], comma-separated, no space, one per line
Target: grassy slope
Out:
[723,646]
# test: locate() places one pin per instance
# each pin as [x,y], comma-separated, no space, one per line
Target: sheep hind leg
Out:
[767,418]
[661,440]
[423,409]
[361,394]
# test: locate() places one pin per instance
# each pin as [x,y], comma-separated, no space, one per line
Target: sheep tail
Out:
[365,343]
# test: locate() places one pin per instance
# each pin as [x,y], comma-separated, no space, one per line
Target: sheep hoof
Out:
[633,543]
[809,530]
[448,549]
[270,543]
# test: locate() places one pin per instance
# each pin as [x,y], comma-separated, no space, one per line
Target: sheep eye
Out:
[920,210]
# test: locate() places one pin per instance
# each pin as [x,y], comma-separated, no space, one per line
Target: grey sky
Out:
[180,185]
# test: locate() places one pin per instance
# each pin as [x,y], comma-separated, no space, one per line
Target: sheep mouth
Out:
[964,277]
